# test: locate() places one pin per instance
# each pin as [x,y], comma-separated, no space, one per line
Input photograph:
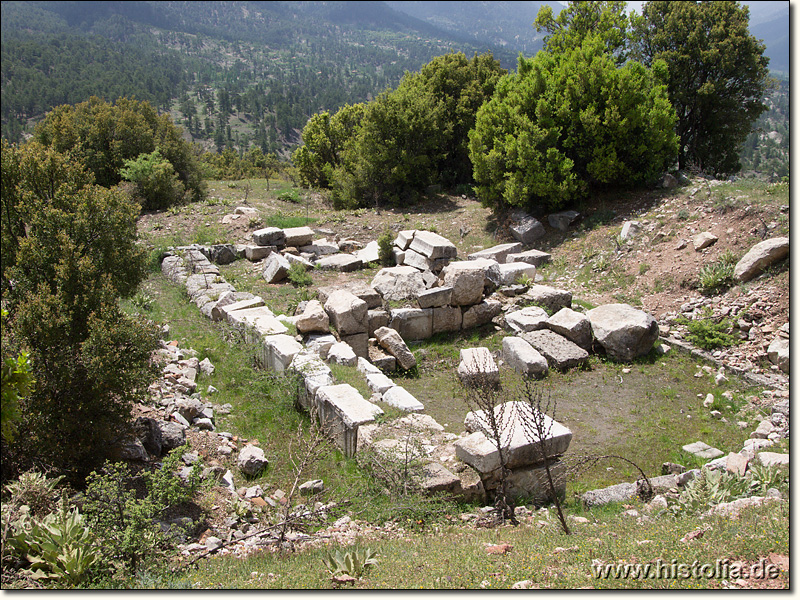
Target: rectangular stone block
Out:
[558,350]
[412,323]
[341,410]
[298,236]
[398,397]
[536,258]
[359,343]
[435,297]
[446,318]
[477,367]
[432,245]
[498,253]
[279,350]
[256,253]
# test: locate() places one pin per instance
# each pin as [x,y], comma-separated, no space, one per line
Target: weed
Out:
[712,487]
[709,334]
[299,276]
[290,195]
[644,268]
[353,562]
[718,276]
[683,215]
[254,222]
[385,248]
[524,279]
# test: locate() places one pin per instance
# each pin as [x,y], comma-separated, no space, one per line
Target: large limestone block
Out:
[432,245]
[341,411]
[466,278]
[480,314]
[572,325]
[523,357]
[404,239]
[527,230]
[761,256]
[446,318]
[521,443]
[276,268]
[536,258]
[377,319]
[257,253]
[321,247]
[315,374]
[314,319]
[398,397]
[359,342]
[551,298]
[530,318]
[279,350]
[227,310]
[417,260]
[497,253]
[320,343]
[477,367]
[298,236]
[623,331]
[258,322]
[379,383]
[511,272]
[558,350]
[345,263]
[391,341]
[398,283]
[341,353]
[435,297]
[369,253]
[532,485]
[294,259]
[562,220]
[412,323]
[269,236]
[347,312]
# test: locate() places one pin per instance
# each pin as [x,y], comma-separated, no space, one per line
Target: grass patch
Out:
[717,277]
[284,221]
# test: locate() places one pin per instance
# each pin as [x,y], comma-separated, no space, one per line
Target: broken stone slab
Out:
[341,411]
[404,238]
[229,299]
[772,459]
[298,236]
[553,299]
[398,283]
[276,268]
[760,257]
[480,314]
[436,478]
[530,484]
[510,273]
[621,492]
[382,360]
[269,236]
[477,367]
[294,259]
[347,312]
[736,464]
[398,397]
[624,332]
[258,321]
[524,358]
[379,383]
[432,245]
[703,450]
[315,374]
[320,343]
[447,318]
[366,367]
[223,254]
[227,310]
[466,279]
[377,319]
[412,323]
[341,353]
[530,318]
[562,220]
[278,352]
[417,260]
[558,350]
[369,253]
[521,444]
[312,487]
[346,263]
[573,325]
[321,247]
[703,240]
[257,253]
[537,258]
[359,290]
[497,253]
[392,341]
[435,297]
[314,319]
[527,230]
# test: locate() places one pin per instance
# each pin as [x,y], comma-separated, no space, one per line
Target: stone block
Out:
[558,350]
[369,254]
[279,350]
[341,353]
[412,323]
[624,332]
[298,236]
[466,279]
[314,319]
[497,253]
[359,342]
[524,358]
[417,260]
[530,318]
[527,230]
[269,236]
[572,325]
[398,397]
[379,383]
[398,283]
[551,298]
[345,263]
[392,341]
[229,299]
[447,318]
[432,245]
[257,253]
[347,313]
[320,343]
[703,450]
[760,257]
[404,238]
[477,367]
[341,411]
[536,258]
[511,272]
[562,220]
[480,314]
[530,484]
[276,268]
[320,247]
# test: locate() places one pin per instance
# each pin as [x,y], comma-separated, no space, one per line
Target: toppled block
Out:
[530,318]
[477,367]
[548,297]
[412,323]
[341,411]
[279,350]
[348,313]
[391,341]
[558,350]
[432,245]
[398,283]
[537,258]
[398,397]
[524,358]
[340,262]
[624,332]
[572,325]
[497,253]
[269,236]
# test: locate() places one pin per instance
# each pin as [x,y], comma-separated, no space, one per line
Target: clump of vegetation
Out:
[709,333]
[353,562]
[290,195]
[717,276]
[299,276]
[157,183]
[385,248]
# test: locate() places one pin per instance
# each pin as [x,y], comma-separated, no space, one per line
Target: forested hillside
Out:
[234,74]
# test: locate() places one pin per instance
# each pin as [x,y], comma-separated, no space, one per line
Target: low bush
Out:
[299,276]
[718,276]
[708,333]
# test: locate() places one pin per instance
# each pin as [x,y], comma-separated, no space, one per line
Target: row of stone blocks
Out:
[340,408]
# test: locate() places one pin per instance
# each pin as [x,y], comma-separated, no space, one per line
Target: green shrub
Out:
[710,488]
[34,490]
[385,248]
[299,276]
[290,195]
[126,521]
[157,183]
[709,334]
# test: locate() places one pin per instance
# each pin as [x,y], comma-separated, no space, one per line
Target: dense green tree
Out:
[717,76]
[569,122]
[74,254]
[103,136]
[607,19]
